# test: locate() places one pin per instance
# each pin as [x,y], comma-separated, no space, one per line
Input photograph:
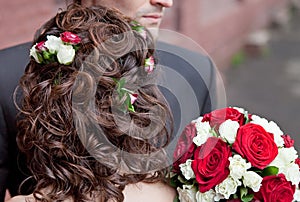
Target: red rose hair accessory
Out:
[56,49]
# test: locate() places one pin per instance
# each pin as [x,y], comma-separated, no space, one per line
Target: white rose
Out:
[33,53]
[199,119]
[206,196]
[285,157]
[218,197]
[187,193]
[186,169]
[297,195]
[228,130]
[274,128]
[227,187]
[241,110]
[65,54]
[291,173]
[238,166]
[270,127]
[203,132]
[253,180]
[53,43]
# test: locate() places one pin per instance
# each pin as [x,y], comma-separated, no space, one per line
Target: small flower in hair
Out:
[149,64]
[139,28]
[131,97]
[61,49]
[41,46]
[69,37]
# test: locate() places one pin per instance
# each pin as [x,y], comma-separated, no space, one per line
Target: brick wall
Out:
[219,26]
[20,18]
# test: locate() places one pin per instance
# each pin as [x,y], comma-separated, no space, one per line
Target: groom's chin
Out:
[154,31]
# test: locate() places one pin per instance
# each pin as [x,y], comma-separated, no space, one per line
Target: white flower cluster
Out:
[186,169]
[65,53]
[189,193]
[285,162]
[203,131]
[238,172]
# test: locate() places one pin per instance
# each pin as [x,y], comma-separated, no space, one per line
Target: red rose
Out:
[40,46]
[297,161]
[256,145]
[216,117]
[185,146]
[69,37]
[275,188]
[211,163]
[288,141]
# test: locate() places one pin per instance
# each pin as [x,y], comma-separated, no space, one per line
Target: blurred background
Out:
[254,43]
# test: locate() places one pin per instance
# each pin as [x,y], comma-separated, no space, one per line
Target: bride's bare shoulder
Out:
[146,192]
[149,192]
[21,198]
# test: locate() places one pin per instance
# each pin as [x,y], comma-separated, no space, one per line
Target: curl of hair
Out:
[78,143]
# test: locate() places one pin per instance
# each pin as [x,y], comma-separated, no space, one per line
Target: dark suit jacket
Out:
[187,82]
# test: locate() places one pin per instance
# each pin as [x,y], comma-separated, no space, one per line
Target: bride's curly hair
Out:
[79,142]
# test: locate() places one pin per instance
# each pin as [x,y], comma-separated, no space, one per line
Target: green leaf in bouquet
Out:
[243,192]
[174,182]
[246,117]
[213,132]
[176,199]
[244,196]
[182,179]
[247,198]
[271,170]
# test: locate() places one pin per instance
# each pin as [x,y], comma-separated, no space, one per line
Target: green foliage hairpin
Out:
[131,97]
[139,28]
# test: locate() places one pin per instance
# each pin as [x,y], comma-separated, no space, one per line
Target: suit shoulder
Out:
[183,52]
[13,61]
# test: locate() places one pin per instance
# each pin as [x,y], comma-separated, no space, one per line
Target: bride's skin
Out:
[145,192]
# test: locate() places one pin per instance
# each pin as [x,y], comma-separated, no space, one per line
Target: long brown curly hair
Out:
[78,142]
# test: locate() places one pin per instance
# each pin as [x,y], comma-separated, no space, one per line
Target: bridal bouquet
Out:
[230,155]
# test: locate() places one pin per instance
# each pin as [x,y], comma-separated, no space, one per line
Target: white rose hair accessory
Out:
[56,49]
